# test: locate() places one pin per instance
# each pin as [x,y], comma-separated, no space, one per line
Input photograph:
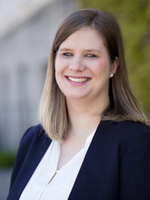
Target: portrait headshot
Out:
[93,139]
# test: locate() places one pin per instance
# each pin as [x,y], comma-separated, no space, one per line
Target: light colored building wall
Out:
[23,59]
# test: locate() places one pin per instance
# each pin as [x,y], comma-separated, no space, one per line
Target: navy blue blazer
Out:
[116,166]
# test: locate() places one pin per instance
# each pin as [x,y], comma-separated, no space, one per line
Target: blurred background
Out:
[27,28]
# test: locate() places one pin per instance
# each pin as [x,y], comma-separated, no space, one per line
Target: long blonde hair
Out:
[123,105]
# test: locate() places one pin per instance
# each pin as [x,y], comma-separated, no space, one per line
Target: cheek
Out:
[58,67]
[59,64]
[103,67]
[56,63]
[59,71]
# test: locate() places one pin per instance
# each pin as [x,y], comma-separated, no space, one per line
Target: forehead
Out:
[86,36]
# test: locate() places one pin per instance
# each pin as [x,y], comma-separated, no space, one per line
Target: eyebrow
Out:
[65,49]
[87,50]
[91,50]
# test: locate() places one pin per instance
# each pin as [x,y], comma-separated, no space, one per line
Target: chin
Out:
[75,97]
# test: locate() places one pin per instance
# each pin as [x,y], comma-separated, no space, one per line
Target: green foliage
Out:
[6,159]
[134,19]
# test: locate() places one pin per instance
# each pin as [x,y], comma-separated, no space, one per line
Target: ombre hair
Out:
[123,105]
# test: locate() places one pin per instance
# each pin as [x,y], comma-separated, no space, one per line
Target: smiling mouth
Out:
[78,80]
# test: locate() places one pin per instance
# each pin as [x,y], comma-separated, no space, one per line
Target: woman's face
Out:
[83,67]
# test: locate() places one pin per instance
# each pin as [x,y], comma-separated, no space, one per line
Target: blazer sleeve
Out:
[135,169]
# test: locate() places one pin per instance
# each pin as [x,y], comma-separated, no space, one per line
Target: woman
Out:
[98,140]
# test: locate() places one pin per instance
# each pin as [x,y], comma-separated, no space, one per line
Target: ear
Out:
[114,67]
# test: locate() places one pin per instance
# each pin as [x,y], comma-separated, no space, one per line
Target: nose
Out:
[76,64]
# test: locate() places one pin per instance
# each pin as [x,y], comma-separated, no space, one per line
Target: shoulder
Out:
[33,143]
[132,138]
[121,135]
[133,130]
[33,134]
[127,128]
[34,139]
[31,137]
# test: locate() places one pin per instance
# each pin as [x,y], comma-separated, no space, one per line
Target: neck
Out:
[84,117]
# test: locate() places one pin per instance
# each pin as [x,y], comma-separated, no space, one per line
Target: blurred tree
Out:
[134,19]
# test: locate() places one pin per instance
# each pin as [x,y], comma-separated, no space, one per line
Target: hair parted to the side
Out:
[123,105]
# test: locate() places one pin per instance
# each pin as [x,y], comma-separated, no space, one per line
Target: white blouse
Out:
[49,183]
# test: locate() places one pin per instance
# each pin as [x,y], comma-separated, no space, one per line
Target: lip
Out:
[77,80]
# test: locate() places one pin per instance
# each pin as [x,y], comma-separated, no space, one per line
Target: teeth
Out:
[79,80]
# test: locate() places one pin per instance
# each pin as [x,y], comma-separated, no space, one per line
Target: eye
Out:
[67,54]
[91,56]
